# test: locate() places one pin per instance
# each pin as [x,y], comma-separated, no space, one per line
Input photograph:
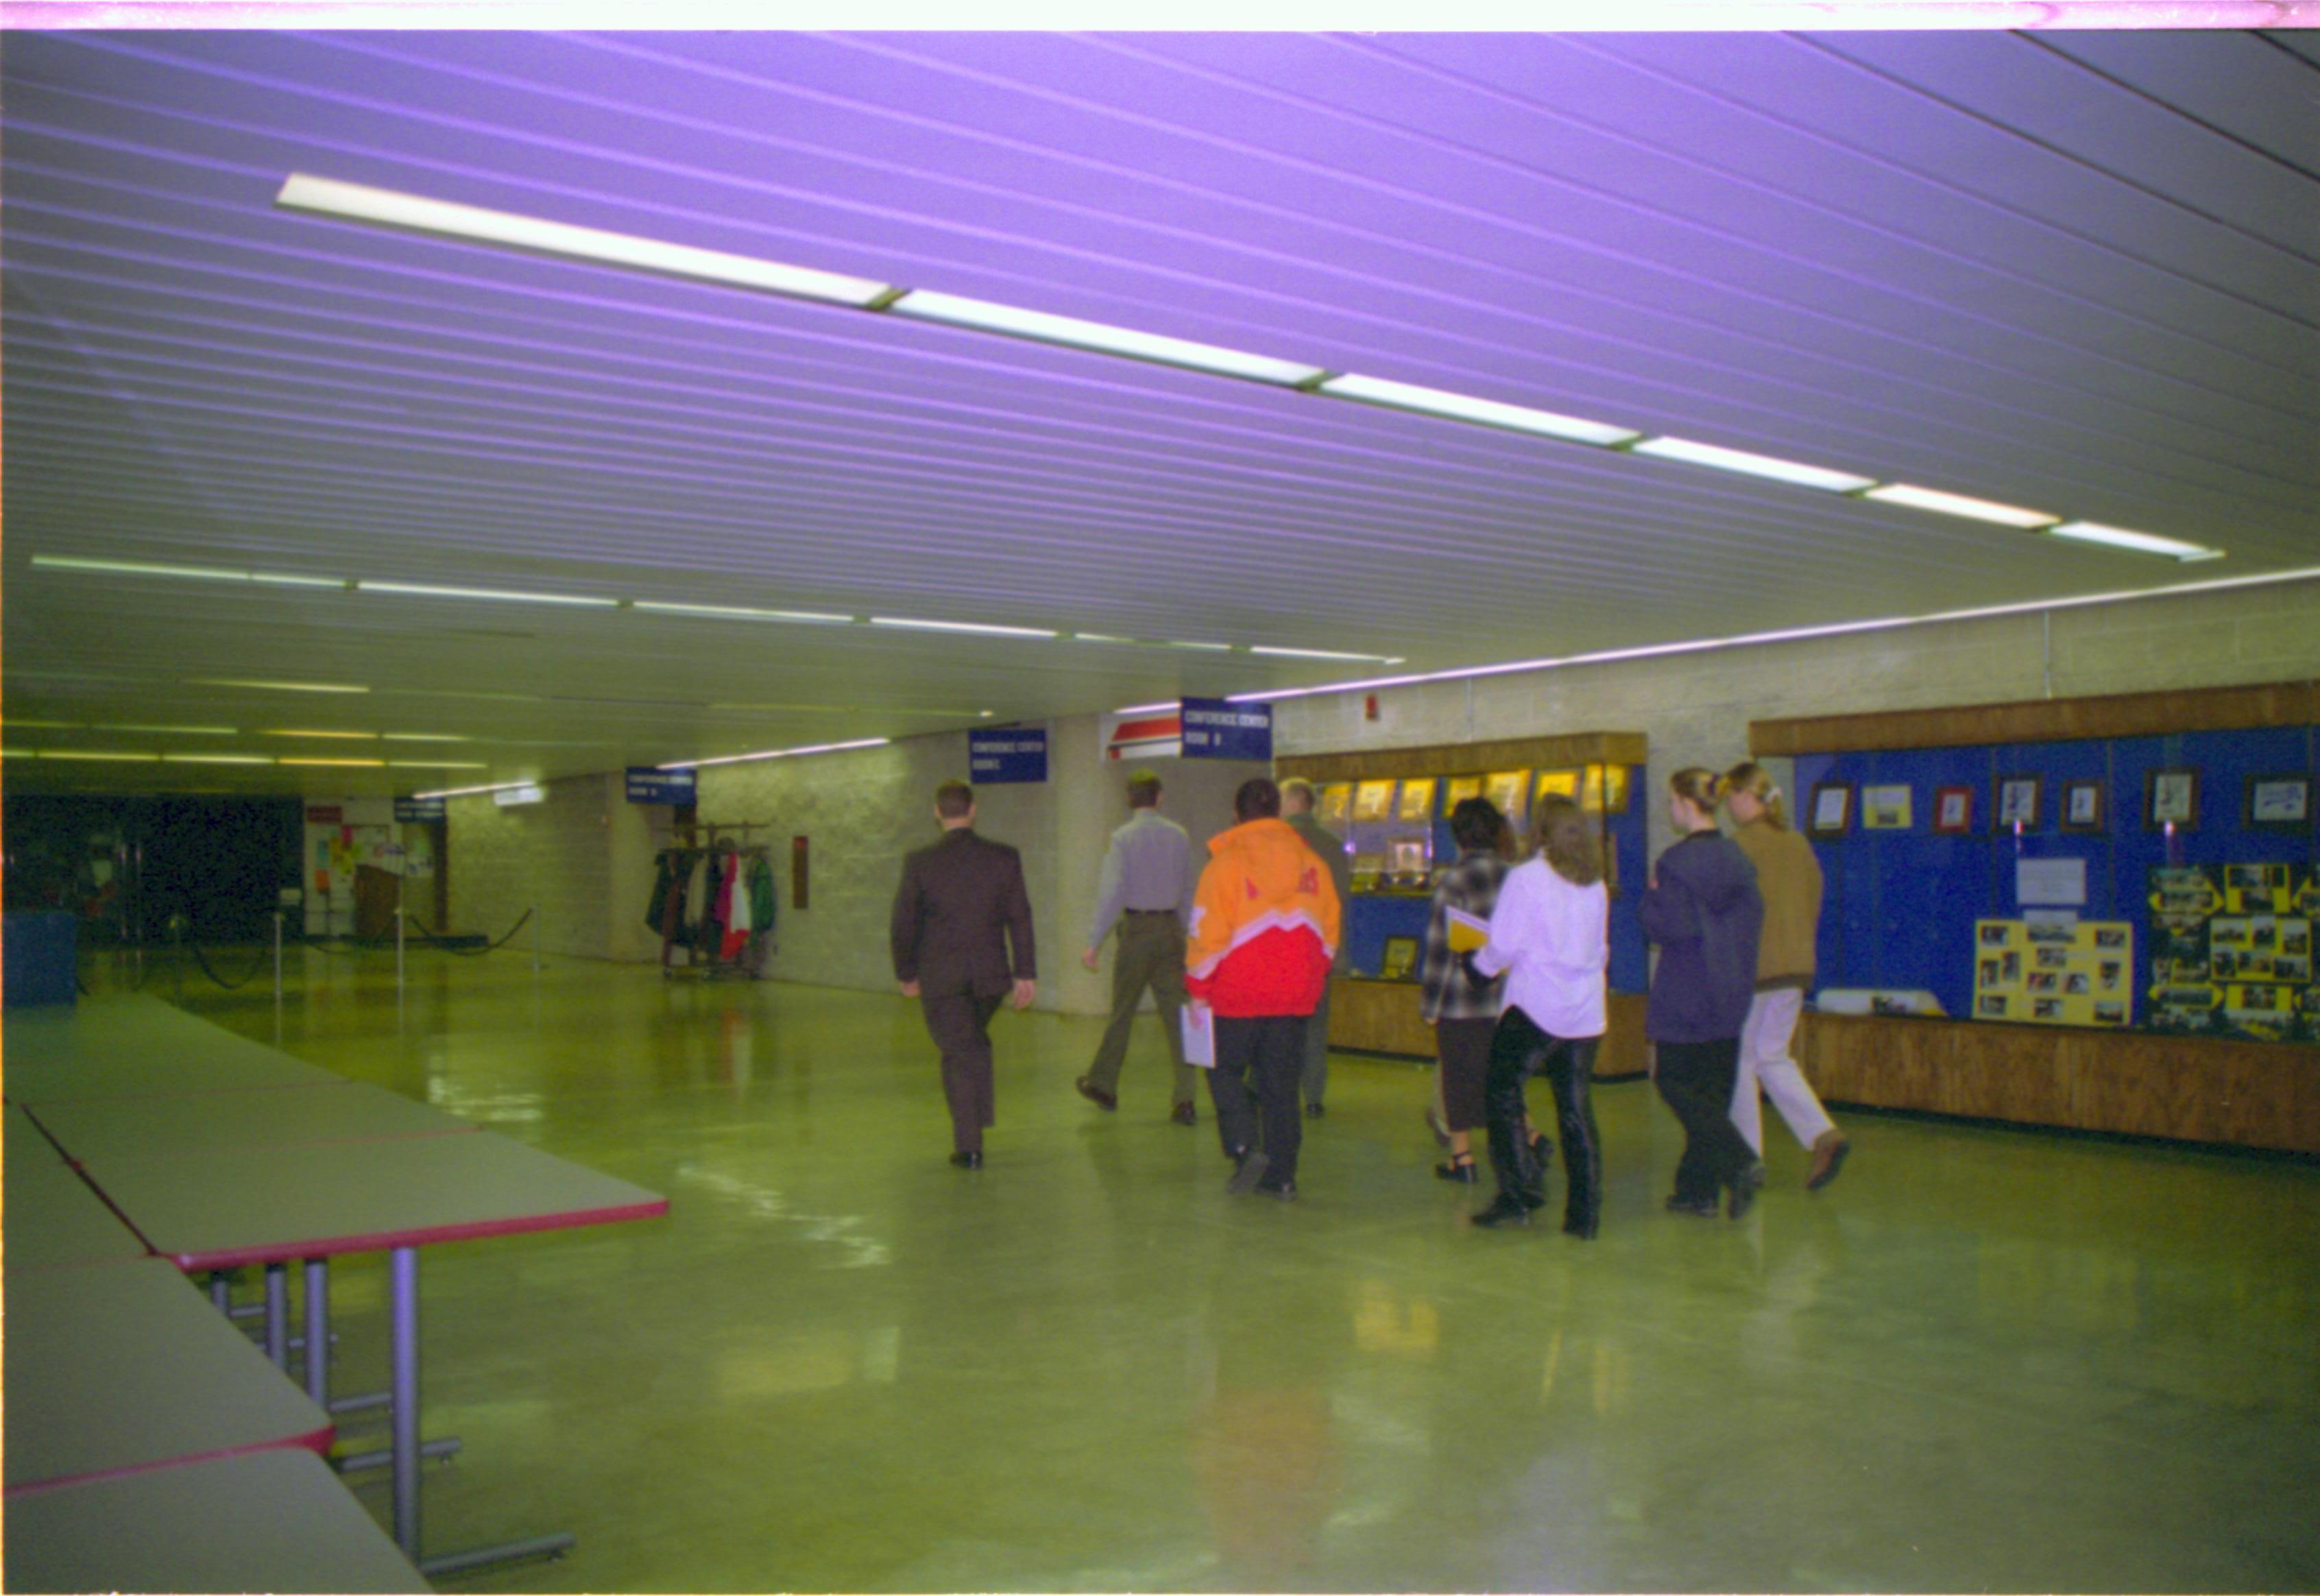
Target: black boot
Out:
[1505,1211]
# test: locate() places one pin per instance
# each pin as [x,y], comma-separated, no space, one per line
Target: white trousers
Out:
[1764,1062]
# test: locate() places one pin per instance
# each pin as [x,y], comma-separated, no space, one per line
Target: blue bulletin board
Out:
[1901,904]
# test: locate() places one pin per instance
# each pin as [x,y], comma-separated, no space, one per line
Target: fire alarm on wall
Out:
[1369,708]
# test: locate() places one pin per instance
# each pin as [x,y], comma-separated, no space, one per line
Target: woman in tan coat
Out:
[1789,877]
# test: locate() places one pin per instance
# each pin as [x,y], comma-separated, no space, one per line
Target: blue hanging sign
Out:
[408,809]
[1217,730]
[649,785]
[1003,754]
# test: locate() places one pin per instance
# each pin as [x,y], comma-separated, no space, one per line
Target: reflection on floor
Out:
[1981,1359]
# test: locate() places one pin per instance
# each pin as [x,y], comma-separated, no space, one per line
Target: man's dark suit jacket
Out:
[962,902]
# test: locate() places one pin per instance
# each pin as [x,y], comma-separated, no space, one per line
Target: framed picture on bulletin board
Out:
[2170,798]
[2083,806]
[1832,809]
[2282,801]
[2018,801]
[1952,811]
[1885,808]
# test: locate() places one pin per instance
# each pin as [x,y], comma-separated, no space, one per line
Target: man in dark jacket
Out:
[960,910]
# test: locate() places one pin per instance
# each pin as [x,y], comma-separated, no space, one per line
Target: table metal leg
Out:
[277,1314]
[402,1381]
[222,1291]
[318,1332]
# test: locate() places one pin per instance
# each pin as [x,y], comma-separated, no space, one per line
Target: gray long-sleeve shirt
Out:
[1149,867]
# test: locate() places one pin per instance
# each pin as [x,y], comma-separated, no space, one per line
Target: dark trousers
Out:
[1149,954]
[1313,1076]
[1696,1079]
[1254,1087]
[1463,1048]
[960,1024]
[1519,1050]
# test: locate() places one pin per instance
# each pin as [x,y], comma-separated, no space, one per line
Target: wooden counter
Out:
[2249,1094]
[1382,1017]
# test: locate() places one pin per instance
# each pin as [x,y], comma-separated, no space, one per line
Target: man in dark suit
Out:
[961,908]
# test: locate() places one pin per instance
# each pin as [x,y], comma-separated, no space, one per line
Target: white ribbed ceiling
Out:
[2075,272]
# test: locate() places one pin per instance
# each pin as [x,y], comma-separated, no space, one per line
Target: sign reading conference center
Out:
[998,754]
[648,784]
[1217,730]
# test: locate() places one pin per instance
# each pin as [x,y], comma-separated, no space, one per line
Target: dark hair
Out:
[1143,790]
[1476,823]
[1697,788]
[1568,840]
[1257,800]
[953,800]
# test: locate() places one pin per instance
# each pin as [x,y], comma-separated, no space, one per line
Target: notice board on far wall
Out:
[2047,821]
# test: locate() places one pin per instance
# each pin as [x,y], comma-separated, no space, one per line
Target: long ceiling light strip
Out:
[820,747]
[429,590]
[1794,634]
[383,207]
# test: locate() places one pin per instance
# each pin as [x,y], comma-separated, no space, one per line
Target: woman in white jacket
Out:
[1550,934]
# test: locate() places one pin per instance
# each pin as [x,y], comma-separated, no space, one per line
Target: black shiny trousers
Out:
[1519,1050]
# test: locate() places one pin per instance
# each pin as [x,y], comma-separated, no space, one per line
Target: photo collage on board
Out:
[2054,972]
[2230,952]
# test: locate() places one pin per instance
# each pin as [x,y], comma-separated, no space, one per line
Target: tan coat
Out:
[1789,877]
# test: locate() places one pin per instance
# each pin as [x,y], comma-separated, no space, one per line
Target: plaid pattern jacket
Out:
[1471,885]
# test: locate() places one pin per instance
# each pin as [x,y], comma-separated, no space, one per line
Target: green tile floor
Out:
[1982,1359]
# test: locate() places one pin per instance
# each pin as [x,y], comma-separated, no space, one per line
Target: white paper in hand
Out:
[1200,1036]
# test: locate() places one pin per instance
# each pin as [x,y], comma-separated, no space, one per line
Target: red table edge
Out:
[278,1252]
[315,1441]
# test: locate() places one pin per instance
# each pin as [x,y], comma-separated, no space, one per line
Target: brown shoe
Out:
[1828,1151]
[1095,1094]
[1182,1114]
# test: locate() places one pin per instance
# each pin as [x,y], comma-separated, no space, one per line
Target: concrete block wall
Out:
[582,859]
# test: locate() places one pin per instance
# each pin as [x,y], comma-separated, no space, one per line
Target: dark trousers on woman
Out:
[1695,1079]
[1254,1088]
[1519,1050]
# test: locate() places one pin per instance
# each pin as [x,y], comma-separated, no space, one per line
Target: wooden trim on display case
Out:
[2045,719]
[1513,753]
[1382,1017]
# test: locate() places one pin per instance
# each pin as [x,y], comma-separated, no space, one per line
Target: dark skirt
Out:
[1463,1047]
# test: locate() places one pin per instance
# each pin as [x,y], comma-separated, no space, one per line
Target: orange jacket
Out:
[1264,924]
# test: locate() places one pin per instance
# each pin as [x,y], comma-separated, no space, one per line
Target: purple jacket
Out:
[1705,914]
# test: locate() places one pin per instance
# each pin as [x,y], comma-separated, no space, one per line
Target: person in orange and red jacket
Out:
[1265,927]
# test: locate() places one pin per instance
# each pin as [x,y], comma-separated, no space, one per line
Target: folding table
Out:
[223,1209]
[54,1219]
[133,1047]
[114,1368]
[269,1521]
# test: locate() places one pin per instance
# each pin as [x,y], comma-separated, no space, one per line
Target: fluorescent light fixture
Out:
[353,202]
[360,764]
[983,316]
[975,627]
[1149,709]
[424,737]
[823,748]
[1941,504]
[2090,532]
[983,714]
[741,612]
[273,686]
[1459,407]
[357,736]
[124,567]
[1836,628]
[521,793]
[471,792]
[437,765]
[502,595]
[49,725]
[1752,464]
[1204,648]
[160,730]
[96,753]
[216,759]
[1325,654]
[1098,637]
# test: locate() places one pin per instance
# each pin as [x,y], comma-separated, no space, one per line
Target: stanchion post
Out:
[277,958]
[398,947]
[535,938]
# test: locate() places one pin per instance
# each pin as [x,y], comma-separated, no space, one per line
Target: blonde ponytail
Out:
[1755,780]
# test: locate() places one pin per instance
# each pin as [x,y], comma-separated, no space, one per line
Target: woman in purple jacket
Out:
[1703,909]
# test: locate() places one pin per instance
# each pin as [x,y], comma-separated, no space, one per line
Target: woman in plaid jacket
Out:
[1462,1009]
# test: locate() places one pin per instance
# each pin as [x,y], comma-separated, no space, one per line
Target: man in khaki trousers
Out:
[1146,890]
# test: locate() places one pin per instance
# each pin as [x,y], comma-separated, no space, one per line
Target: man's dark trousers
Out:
[960,1024]
[1149,953]
[1260,1057]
